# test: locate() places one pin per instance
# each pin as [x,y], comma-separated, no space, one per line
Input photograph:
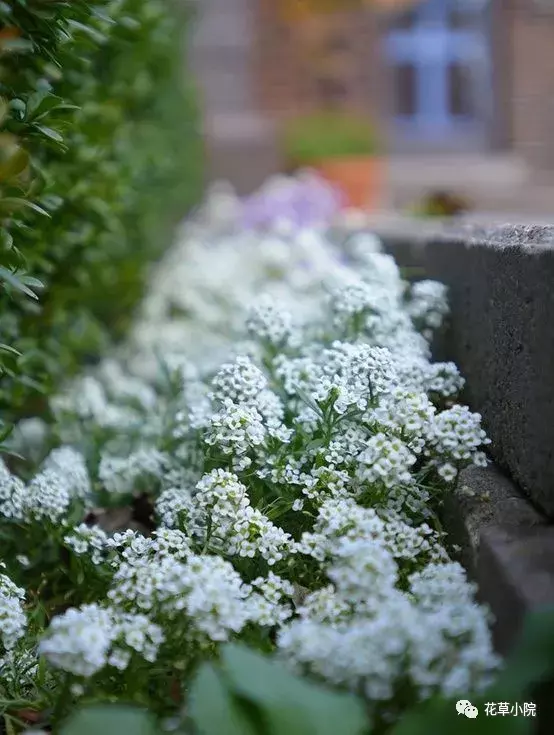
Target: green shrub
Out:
[99,159]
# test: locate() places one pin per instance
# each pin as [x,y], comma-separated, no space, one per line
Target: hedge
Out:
[99,158]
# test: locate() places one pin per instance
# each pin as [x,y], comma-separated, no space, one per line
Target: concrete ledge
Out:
[515,573]
[501,335]
[506,546]
[485,499]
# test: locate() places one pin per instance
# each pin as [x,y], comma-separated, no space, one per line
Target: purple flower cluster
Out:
[304,200]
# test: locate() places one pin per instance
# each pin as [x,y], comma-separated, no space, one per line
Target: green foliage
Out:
[114,720]
[99,158]
[312,138]
[249,694]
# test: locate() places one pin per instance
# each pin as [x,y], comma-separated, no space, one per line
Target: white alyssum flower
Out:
[13,621]
[88,540]
[122,475]
[12,494]
[79,640]
[386,461]
[206,590]
[236,429]
[455,437]
[428,305]
[174,506]
[133,548]
[240,381]
[241,529]
[269,323]
[83,641]
[71,464]
[48,496]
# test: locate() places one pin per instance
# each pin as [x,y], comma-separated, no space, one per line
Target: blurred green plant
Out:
[246,693]
[100,156]
[313,138]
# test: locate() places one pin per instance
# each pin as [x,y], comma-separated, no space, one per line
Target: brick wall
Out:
[532,100]
[304,65]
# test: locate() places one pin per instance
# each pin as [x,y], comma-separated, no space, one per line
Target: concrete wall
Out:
[501,335]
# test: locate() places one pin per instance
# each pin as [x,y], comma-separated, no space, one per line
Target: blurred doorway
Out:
[439,58]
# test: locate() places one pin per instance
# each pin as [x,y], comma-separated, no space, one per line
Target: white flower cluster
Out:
[278,413]
[455,437]
[13,620]
[269,323]
[387,461]
[90,541]
[62,481]
[83,641]
[121,475]
[239,529]
[366,633]
[204,589]
[428,305]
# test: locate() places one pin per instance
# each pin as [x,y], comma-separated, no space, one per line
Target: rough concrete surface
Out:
[515,572]
[485,498]
[506,546]
[501,335]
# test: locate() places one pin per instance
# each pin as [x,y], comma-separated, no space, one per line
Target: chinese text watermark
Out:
[497,709]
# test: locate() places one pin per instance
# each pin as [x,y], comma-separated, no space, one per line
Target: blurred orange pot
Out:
[361,179]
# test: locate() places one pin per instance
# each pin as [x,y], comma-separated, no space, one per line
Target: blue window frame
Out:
[439,56]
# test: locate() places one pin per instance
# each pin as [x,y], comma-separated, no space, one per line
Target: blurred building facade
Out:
[462,91]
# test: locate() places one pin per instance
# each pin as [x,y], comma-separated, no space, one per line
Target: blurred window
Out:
[463,14]
[459,84]
[405,20]
[439,59]
[405,81]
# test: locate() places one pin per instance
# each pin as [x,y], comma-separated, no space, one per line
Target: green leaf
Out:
[292,706]
[213,708]
[14,203]
[31,281]
[49,133]
[92,33]
[15,282]
[9,349]
[110,720]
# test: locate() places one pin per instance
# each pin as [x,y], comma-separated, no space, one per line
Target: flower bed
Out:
[265,461]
